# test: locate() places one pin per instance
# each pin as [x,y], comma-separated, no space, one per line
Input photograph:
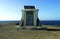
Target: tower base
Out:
[37,23]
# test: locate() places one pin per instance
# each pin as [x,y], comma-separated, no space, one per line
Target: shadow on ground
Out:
[45,29]
[53,29]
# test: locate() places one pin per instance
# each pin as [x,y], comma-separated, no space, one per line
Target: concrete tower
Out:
[29,16]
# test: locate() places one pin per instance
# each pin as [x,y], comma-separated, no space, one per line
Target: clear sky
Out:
[48,9]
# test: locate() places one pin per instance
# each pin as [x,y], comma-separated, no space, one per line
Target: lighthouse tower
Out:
[29,16]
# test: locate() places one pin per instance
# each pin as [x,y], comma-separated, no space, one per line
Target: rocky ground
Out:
[12,32]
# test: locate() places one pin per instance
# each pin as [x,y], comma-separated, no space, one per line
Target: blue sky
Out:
[48,9]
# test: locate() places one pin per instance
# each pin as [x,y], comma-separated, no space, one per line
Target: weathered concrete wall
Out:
[35,12]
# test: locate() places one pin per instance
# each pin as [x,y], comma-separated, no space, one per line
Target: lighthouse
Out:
[30,16]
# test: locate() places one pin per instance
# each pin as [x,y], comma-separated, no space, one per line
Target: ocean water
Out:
[50,22]
[44,22]
[7,22]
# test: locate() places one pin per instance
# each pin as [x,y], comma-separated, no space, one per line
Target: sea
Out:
[43,22]
[50,22]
